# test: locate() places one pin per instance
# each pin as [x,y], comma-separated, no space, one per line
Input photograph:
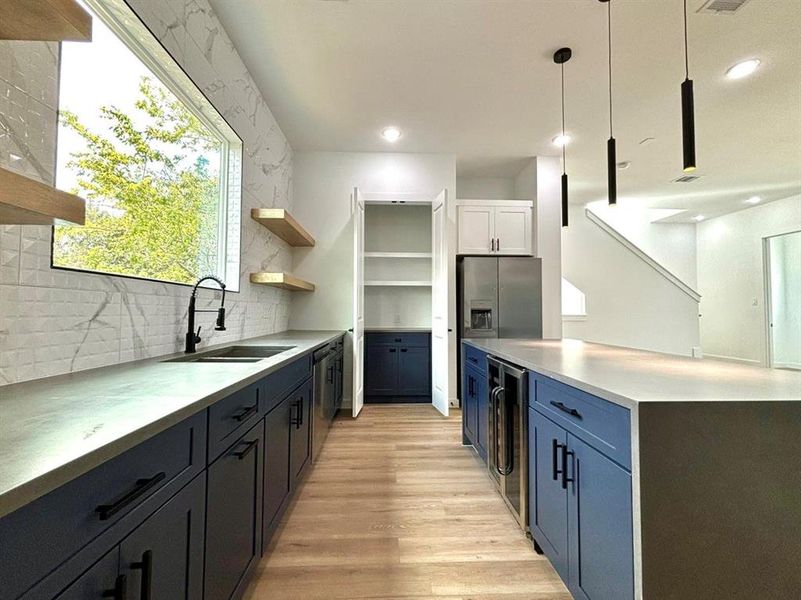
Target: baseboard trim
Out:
[735,359]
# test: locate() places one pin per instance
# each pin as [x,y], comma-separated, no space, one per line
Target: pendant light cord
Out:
[609,29]
[564,162]
[686,45]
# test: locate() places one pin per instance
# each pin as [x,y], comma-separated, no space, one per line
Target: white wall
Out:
[485,188]
[731,277]
[55,321]
[785,299]
[672,245]
[628,302]
[323,185]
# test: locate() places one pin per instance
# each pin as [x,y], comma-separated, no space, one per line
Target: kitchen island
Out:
[698,466]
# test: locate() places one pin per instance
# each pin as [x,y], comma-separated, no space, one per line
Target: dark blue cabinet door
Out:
[233,515]
[381,370]
[482,415]
[276,464]
[102,578]
[547,498]
[300,430]
[414,371]
[163,557]
[600,526]
[469,409]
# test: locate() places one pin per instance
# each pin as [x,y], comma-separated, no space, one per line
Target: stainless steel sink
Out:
[234,354]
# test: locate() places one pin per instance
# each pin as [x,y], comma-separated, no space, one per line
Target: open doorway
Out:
[782,257]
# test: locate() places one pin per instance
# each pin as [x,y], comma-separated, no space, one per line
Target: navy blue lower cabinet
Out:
[414,371]
[469,404]
[600,526]
[547,496]
[163,557]
[381,370]
[234,516]
[300,402]
[101,580]
[276,464]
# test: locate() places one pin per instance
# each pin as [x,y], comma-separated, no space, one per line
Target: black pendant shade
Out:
[560,57]
[687,107]
[611,153]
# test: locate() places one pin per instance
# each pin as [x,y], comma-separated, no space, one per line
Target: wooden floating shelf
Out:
[282,224]
[393,283]
[397,254]
[45,21]
[285,281]
[25,201]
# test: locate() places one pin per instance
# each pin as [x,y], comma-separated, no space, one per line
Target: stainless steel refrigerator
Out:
[498,297]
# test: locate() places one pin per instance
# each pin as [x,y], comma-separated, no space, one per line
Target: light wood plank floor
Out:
[397,508]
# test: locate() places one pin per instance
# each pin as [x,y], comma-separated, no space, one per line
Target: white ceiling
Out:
[476,79]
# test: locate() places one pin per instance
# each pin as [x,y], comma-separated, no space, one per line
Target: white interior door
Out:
[358,302]
[439,303]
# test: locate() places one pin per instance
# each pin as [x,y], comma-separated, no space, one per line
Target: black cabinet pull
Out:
[120,591]
[293,414]
[498,244]
[556,455]
[472,359]
[245,414]
[146,564]
[393,349]
[571,411]
[398,339]
[300,412]
[492,245]
[470,385]
[404,349]
[248,448]
[572,455]
[106,511]
[329,374]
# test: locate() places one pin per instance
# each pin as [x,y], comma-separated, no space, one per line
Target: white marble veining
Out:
[55,321]
[629,377]
[54,430]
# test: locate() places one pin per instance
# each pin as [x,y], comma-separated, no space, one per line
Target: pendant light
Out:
[687,107]
[611,153]
[560,57]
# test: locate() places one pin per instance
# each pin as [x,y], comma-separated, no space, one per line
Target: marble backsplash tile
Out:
[55,321]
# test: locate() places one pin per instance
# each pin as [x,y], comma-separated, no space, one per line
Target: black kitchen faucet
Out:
[192,338]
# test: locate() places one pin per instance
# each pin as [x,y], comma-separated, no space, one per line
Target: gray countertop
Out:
[398,329]
[627,377]
[55,429]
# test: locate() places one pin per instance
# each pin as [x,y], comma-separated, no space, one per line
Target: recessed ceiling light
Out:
[623,165]
[391,134]
[743,69]
[753,200]
[561,140]
[699,218]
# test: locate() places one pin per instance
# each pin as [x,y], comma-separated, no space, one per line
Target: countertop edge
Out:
[17,497]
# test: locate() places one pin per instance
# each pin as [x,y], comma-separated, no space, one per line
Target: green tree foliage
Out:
[152,197]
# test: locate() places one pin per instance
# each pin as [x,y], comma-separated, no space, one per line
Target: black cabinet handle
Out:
[404,350]
[565,454]
[498,244]
[398,339]
[571,411]
[556,455]
[106,511]
[470,385]
[393,349]
[294,419]
[146,564]
[472,359]
[245,414]
[120,591]
[247,449]
[300,412]
[492,245]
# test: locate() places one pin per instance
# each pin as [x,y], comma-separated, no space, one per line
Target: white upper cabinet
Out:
[495,227]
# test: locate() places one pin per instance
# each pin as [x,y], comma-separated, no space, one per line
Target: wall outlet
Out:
[697,352]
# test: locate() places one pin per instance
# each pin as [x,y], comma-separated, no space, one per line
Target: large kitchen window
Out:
[159,167]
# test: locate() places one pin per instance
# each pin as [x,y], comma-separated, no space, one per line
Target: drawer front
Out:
[601,424]
[475,358]
[275,387]
[230,416]
[408,339]
[45,533]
